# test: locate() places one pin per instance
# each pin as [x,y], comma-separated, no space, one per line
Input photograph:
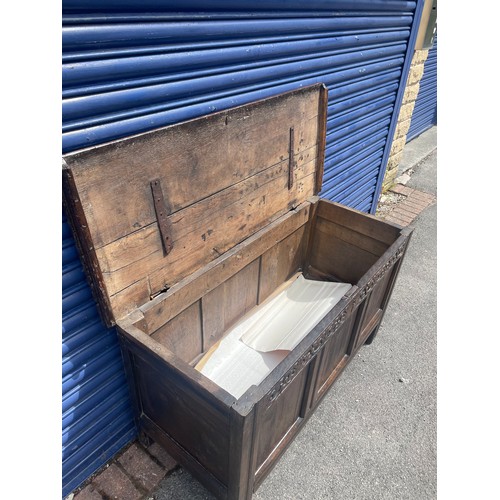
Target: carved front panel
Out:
[333,356]
[280,416]
[375,300]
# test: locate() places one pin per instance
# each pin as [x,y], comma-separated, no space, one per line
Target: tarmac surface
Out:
[374,434]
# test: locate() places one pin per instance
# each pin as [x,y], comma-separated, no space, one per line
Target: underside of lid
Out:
[151,209]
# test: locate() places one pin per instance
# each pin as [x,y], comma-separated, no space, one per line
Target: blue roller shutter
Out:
[131,66]
[425,112]
[96,419]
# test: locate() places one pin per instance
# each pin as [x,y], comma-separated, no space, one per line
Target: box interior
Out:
[336,244]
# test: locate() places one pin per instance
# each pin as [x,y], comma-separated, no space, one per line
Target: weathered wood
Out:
[367,328]
[384,264]
[242,427]
[332,376]
[238,238]
[208,234]
[194,160]
[281,261]
[275,421]
[183,334]
[227,303]
[332,355]
[225,176]
[186,415]
[167,305]
[363,223]
[405,234]
[144,346]
[339,258]
[133,387]
[78,222]
[200,224]
[375,298]
[131,298]
[225,235]
[183,456]
[347,235]
[322,124]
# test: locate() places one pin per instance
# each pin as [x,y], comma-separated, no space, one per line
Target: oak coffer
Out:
[238,294]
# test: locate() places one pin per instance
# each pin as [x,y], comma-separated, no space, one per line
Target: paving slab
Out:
[418,149]
[424,177]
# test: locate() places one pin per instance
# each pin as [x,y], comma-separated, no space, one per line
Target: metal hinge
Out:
[162,213]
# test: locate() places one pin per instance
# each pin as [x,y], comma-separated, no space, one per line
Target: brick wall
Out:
[404,119]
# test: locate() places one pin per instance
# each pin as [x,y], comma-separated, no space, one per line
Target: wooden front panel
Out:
[333,358]
[373,308]
[223,177]
[276,418]
[289,394]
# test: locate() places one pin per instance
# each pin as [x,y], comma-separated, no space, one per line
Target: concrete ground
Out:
[374,435]
[418,149]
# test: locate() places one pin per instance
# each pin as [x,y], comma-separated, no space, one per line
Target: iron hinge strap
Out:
[162,216]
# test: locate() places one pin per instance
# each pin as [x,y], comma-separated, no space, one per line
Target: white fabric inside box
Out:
[262,339]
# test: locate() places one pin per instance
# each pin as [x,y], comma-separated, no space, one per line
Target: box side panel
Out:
[346,243]
[334,257]
[195,425]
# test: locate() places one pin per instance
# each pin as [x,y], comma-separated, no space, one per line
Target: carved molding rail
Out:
[281,385]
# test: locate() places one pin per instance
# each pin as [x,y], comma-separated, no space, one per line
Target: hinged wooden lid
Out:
[151,209]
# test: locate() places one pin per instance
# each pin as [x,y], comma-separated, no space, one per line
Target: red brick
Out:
[403,214]
[398,220]
[420,195]
[395,220]
[409,208]
[400,189]
[115,484]
[141,467]
[416,203]
[162,456]
[88,493]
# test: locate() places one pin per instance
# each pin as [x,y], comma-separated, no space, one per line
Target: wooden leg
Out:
[372,335]
[144,439]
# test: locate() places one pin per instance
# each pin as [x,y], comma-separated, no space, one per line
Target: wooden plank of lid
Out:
[223,177]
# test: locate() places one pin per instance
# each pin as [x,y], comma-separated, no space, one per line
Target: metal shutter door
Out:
[97,419]
[126,71]
[425,112]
